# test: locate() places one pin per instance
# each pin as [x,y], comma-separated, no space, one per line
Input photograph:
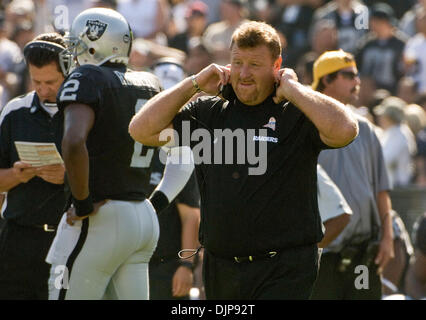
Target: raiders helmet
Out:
[97,35]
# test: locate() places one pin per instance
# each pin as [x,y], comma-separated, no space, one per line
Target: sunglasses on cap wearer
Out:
[350,75]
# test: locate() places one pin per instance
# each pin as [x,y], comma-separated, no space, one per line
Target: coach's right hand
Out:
[212,77]
[24,171]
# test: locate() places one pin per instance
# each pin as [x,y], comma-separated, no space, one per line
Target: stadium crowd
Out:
[387,39]
[388,50]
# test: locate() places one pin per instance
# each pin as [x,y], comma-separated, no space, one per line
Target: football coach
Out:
[260,232]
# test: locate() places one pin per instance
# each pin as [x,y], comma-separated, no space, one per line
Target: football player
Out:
[109,233]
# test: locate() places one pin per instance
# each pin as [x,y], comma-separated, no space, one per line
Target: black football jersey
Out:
[119,166]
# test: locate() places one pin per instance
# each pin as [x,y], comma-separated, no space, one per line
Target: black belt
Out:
[45,227]
[264,256]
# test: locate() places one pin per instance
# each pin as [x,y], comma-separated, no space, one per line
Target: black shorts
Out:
[290,274]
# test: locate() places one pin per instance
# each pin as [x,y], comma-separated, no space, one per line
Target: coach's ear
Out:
[277,65]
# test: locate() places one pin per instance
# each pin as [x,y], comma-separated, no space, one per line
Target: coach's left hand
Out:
[72,217]
[285,79]
[54,173]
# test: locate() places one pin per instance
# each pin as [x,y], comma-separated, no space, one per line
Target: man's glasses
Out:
[350,75]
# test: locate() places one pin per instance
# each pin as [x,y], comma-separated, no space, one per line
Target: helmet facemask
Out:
[74,47]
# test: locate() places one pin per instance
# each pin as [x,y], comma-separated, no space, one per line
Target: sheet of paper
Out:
[38,154]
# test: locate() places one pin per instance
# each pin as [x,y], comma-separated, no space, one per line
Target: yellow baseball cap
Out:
[329,62]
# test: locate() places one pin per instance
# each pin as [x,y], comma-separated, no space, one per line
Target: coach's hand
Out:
[72,217]
[212,77]
[182,282]
[23,171]
[54,173]
[286,78]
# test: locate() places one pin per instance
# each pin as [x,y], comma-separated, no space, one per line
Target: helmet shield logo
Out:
[95,29]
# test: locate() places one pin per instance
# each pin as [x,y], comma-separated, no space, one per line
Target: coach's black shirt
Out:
[119,166]
[244,214]
[36,202]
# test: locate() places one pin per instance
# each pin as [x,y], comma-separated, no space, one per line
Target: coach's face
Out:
[46,81]
[253,73]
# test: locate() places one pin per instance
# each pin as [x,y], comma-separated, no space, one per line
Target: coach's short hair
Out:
[44,49]
[253,33]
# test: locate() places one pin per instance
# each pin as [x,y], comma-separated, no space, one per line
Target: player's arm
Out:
[78,121]
[178,170]
[158,113]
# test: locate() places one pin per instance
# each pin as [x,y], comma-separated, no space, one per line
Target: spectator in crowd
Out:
[214,11]
[264,10]
[407,23]
[196,17]
[415,117]
[109,4]
[398,6]
[399,145]
[414,52]
[323,38]
[292,22]
[22,34]
[35,195]
[407,89]
[11,64]
[421,100]
[349,19]
[198,58]
[359,172]
[380,53]
[421,158]
[145,52]
[18,11]
[147,18]
[304,67]
[415,281]
[217,36]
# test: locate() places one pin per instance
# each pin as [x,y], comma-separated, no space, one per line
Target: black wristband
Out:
[83,207]
[186,263]
[159,201]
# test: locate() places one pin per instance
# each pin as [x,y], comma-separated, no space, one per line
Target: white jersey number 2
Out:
[140,160]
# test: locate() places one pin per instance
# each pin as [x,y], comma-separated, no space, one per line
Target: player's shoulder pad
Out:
[148,79]
[87,70]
